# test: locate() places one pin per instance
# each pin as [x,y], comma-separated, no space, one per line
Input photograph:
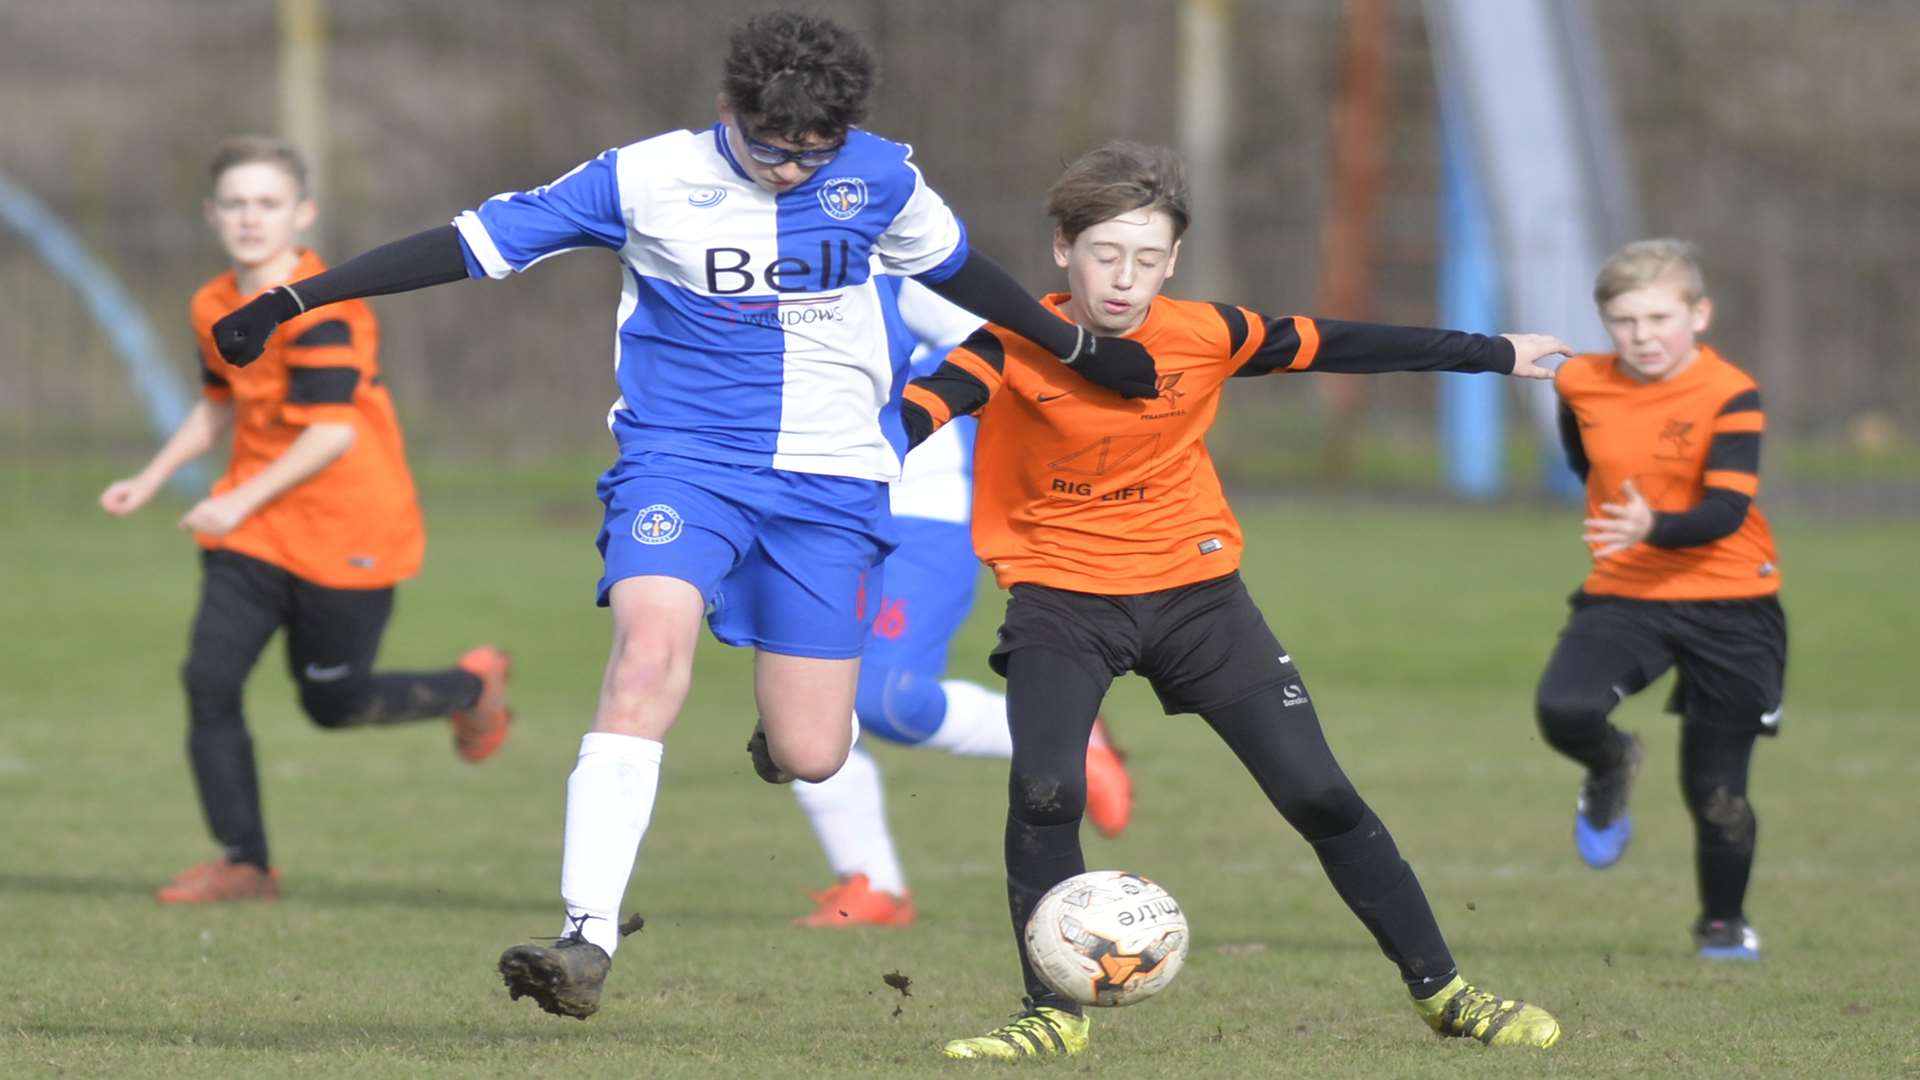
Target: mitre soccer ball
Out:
[1107,937]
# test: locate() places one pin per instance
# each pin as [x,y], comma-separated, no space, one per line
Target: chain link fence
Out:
[1781,136]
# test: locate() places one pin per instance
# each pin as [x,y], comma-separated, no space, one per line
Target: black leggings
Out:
[1586,678]
[332,638]
[1051,703]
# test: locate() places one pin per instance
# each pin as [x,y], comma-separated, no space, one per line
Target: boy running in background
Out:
[1666,434]
[310,528]
[902,698]
[1105,520]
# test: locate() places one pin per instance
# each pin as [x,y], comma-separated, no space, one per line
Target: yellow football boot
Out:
[1461,1011]
[1036,1032]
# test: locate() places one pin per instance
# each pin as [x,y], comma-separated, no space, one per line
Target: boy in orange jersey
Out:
[1666,434]
[1105,520]
[310,528]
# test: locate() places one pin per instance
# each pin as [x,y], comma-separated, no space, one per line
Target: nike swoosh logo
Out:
[316,673]
[1044,398]
[1772,719]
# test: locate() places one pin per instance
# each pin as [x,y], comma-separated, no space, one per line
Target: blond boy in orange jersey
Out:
[1104,519]
[1666,434]
[310,528]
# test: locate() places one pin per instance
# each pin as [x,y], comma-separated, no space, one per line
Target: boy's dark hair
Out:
[235,150]
[1115,178]
[797,76]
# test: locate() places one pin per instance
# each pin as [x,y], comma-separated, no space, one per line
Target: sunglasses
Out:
[810,158]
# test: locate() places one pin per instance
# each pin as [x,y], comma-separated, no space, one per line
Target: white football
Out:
[1107,937]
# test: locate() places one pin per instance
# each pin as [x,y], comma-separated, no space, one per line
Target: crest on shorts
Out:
[843,196]
[657,524]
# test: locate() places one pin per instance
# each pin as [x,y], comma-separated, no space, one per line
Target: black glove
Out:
[1119,364]
[243,332]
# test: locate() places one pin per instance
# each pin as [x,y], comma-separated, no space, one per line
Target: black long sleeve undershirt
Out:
[1570,442]
[431,257]
[1718,514]
[982,287]
[1363,348]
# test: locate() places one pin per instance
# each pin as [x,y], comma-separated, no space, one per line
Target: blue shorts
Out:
[930,582]
[787,562]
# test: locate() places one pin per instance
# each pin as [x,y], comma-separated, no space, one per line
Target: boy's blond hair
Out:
[1644,262]
[237,150]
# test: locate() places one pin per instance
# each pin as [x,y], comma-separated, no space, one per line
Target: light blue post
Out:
[1473,408]
[113,309]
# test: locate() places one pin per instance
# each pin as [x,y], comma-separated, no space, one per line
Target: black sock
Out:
[1278,738]
[1367,871]
[392,697]
[401,696]
[1038,858]
[229,786]
[1714,764]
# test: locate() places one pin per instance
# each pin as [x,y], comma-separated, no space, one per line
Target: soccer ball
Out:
[1107,937]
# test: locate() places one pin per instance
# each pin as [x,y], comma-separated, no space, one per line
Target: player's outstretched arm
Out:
[432,257]
[1300,343]
[1118,364]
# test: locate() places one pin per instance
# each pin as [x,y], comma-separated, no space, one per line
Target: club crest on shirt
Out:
[706,197]
[843,196]
[657,524]
[1676,439]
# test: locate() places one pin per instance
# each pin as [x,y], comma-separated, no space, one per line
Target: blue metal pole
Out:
[112,308]
[1472,407]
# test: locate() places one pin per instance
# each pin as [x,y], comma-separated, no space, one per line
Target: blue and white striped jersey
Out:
[749,328]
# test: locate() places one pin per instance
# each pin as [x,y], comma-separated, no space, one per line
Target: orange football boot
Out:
[479,729]
[1109,788]
[854,902]
[218,881]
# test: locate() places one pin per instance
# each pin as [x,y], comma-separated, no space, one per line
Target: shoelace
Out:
[1469,1008]
[1025,1024]
[571,937]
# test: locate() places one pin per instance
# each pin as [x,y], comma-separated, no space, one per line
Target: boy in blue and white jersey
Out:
[903,696]
[758,419]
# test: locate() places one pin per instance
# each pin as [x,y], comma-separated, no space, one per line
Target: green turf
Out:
[406,871]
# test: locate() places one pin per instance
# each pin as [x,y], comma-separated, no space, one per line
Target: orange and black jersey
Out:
[1691,445]
[1078,488]
[355,524]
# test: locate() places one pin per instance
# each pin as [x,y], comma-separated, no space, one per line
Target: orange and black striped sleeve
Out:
[1300,343]
[960,386]
[1731,478]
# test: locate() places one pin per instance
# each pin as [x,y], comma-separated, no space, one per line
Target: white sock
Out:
[609,802]
[976,722]
[849,815]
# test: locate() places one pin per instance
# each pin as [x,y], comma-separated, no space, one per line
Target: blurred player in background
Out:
[1666,434]
[1105,521]
[930,582]
[757,422]
[310,529]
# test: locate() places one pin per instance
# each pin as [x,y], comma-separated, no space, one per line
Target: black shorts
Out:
[333,635]
[1730,655]
[1201,646]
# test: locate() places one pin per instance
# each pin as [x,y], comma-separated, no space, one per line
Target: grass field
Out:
[406,871]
